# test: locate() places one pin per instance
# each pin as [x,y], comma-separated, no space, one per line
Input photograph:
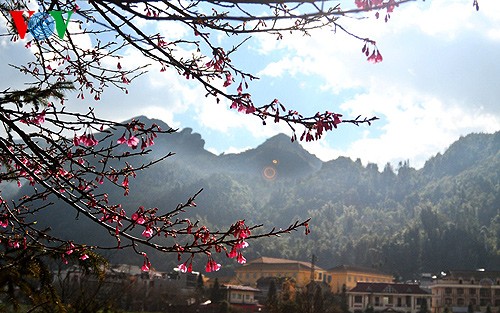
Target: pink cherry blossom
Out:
[133,142]
[241,259]
[122,139]
[241,245]
[125,182]
[40,118]
[233,253]
[212,266]
[182,267]
[138,218]
[186,268]
[84,257]
[229,80]
[4,222]
[70,248]
[336,120]
[148,232]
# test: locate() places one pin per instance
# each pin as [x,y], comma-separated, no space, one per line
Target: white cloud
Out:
[219,117]
[161,113]
[322,149]
[416,126]
[437,82]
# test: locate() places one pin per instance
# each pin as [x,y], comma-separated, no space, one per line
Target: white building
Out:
[383,297]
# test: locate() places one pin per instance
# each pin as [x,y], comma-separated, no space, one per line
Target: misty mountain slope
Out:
[475,191]
[401,220]
[462,154]
[278,155]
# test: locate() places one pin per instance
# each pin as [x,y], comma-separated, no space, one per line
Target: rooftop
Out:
[388,288]
[353,268]
[240,287]
[281,263]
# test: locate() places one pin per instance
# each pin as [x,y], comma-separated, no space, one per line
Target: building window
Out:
[447,301]
[472,291]
[377,301]
[247,297]
[460,291]
[358,299]
[239,296]
[497,292]
[320,276]
[460,281]
[484,292]
[460,302]
[447,291]
[400,303]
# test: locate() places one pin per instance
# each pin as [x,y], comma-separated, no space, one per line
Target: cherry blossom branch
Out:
[69,155]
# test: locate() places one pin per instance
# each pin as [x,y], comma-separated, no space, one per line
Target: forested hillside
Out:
[401,220]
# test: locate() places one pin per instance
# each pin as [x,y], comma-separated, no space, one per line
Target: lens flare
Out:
[269,173]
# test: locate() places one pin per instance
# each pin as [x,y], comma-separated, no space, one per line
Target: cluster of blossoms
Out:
[86,139]
[37,120]
[368,5]
[146,265]
[325,122]
[133,142]
[239,230]
[375,56]
[376,4]
[219,60]
[70,249]
[4,221]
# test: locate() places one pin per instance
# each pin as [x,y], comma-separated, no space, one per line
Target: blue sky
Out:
[439,80]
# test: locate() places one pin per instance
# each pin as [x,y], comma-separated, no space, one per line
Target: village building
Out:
[387,297]
[349,276]
[243,298]
[301,272]
[466,291]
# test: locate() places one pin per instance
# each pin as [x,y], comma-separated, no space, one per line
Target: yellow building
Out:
[350,275]
[249,273]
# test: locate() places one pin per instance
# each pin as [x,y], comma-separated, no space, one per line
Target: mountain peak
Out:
[279,138]
[148,121]
[286,158]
